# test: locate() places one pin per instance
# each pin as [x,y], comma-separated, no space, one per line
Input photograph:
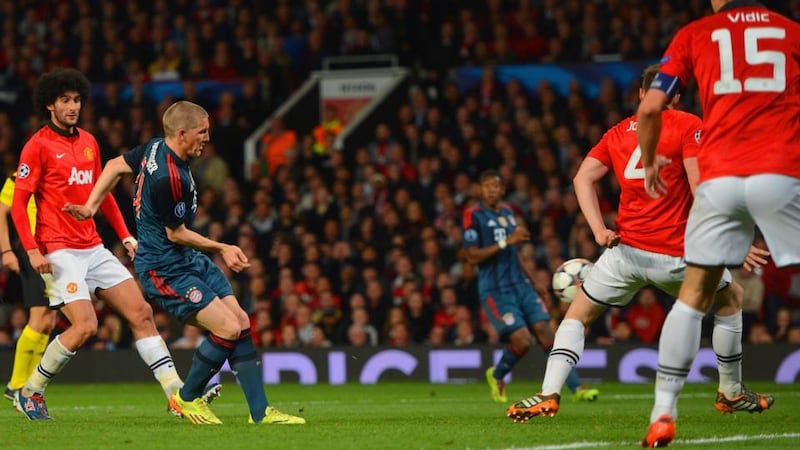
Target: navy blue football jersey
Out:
[165,197]
[484,227]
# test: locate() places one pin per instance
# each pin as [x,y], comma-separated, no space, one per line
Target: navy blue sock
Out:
[246,365]
[207,361]
[510,358]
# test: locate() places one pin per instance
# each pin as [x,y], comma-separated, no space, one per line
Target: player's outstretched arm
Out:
[590,172]
[109,177]
[233,256]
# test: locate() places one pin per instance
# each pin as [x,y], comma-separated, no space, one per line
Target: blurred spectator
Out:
[210,169]
[793,335]
[318,339]
[163,325]
[753,296]
[275,145]
[6,343]
[646,316]
[190,339]
[326,132]
[289,336]
[304,325]
[759,334]
[623,332]
[357,336]
[783,322]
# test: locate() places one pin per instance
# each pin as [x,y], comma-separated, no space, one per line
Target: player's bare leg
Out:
[83,320]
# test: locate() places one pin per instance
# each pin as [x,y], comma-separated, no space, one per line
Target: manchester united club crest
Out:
[88,153]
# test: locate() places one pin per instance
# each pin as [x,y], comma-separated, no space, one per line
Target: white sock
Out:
[55,357]
[154,353]
[727,343]
[567,350]
[679,343]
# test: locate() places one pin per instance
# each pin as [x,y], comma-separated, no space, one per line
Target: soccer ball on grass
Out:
[568,277]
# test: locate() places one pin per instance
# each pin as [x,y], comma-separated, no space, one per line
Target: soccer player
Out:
[175,273]
[646,249]
[746,61]
[41,319]
[59,164]
[508,297]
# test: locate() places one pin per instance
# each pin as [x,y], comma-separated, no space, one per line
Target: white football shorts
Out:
[726,210]
[621,271]
[76,273]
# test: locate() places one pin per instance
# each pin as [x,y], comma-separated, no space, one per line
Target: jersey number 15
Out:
[728,84]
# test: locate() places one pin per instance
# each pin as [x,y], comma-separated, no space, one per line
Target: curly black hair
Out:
[53,84]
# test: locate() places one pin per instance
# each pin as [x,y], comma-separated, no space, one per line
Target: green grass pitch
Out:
[392,416]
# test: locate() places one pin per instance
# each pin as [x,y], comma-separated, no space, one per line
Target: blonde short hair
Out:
[182,115]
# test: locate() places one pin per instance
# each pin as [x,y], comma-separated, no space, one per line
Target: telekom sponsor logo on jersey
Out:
[81,177]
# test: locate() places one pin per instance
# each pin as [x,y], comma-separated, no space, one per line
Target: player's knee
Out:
[42,321]
[732,296]
[140,316]
[85,330]
[244,320]
[230,330]
[522,342]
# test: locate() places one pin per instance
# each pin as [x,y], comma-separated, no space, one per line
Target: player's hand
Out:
[754,260]
[79,212]
[234,258]
[10,262]
[653,183]
[131,246]
[519,235]
[607,238]
[39,262]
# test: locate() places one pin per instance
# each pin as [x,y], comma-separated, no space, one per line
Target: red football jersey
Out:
[59,168]
[655,225]
[746,60]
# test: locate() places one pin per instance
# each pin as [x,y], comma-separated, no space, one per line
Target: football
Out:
[569,276]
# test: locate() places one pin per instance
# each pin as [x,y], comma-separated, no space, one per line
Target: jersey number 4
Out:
[728,84]
[633,171]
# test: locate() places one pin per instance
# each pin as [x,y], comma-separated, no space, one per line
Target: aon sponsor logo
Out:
[80,176]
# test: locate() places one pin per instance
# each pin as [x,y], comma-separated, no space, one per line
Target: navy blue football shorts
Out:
[186,287]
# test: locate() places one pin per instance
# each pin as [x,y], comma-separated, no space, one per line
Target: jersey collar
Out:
[61,131]
[180,161]
[488,208]
[740,4]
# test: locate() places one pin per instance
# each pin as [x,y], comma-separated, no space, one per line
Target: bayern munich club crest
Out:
[194,295]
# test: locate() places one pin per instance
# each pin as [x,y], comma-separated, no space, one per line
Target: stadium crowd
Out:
[368,253]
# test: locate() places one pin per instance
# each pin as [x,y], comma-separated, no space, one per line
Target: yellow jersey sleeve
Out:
[7,194]
[7,197]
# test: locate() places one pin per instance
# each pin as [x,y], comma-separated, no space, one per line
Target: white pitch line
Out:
[710,440]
